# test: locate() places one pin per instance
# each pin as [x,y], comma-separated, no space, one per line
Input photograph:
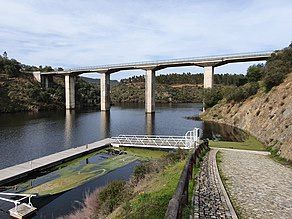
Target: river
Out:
[26,136]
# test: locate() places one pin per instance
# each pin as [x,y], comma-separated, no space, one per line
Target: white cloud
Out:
[81,33]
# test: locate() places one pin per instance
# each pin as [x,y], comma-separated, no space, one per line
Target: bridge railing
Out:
[180,197]
[17,202]
[191,59]
[188,141]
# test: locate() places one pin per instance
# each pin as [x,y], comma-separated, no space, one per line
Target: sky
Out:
[74,33]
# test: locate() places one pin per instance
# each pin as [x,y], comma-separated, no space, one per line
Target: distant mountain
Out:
[96,81]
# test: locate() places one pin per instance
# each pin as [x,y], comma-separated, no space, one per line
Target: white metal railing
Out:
[17,201]
[188,141]
[169,61]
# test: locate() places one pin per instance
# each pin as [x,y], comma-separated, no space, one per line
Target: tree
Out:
[255,72]
[5,56]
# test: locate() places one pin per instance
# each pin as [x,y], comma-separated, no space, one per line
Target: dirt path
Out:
[258,186]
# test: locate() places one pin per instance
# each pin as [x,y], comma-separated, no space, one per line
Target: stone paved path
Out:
[210,201]
[260,187]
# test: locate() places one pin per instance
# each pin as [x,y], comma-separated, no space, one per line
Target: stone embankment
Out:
[258,186]
[267,116]
[210,198]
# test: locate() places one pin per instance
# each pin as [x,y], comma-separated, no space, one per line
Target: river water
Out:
[26,136]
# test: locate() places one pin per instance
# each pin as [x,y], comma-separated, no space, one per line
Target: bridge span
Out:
[207,62]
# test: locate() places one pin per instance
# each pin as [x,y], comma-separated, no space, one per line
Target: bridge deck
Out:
[160,64]
[21,170]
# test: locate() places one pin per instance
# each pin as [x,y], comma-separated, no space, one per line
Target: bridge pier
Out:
[105,92]
[70,91]
[150,91]
[46,81]
[208,76]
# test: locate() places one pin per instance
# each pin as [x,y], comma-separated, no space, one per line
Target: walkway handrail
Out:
[17,201]
[180,197]
[188,141]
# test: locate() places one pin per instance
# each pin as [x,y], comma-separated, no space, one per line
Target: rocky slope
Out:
[267,116]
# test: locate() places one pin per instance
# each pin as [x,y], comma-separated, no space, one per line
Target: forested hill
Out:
[189,78]
[19,91]
[263,106]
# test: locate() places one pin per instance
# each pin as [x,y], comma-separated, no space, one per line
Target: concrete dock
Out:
[22,170]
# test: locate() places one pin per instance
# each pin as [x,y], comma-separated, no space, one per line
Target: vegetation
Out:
[269,75]
[146,195]
[188,78]
[251,143]
[19,91]
[275,155]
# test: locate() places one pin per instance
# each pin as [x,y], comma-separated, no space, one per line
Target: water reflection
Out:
[105,124]
[26,136]
[69,123]
[150,123]
[217,131]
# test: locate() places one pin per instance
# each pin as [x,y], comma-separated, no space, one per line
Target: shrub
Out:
[255,73]
[140,171]
[212,97]
[273,79]
[112,196]
[243,92]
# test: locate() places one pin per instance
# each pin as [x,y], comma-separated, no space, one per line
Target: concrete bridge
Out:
[207,62]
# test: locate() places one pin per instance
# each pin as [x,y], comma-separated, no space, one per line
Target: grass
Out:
[70,178]
[153,199]
[154,194]
[276,157]
[144,153]
[72,174]
[251,143]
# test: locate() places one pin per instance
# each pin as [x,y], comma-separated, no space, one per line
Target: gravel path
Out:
[259,187]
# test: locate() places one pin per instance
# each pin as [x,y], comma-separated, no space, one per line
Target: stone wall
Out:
[267,116]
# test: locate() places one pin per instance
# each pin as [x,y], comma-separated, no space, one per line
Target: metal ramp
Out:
[21,210]
[188,141]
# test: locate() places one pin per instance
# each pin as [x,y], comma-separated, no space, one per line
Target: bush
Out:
[112,196]
[212,97]
[272,79]
[174,156]
[243,92]
[277,67]
[255,73]
[140,171]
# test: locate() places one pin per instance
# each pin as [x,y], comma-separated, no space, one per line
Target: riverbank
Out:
[146,194]
[267,116]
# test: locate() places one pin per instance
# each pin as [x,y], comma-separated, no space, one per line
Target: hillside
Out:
[266,113]
[135,93]
[96,81]
[24,93]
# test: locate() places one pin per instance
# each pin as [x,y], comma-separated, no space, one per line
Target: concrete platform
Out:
[22,170]
[22,211]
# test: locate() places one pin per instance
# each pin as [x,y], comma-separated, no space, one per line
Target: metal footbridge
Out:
[21,209]
[188,141]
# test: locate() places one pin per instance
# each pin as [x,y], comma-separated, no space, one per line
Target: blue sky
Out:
[73,33]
